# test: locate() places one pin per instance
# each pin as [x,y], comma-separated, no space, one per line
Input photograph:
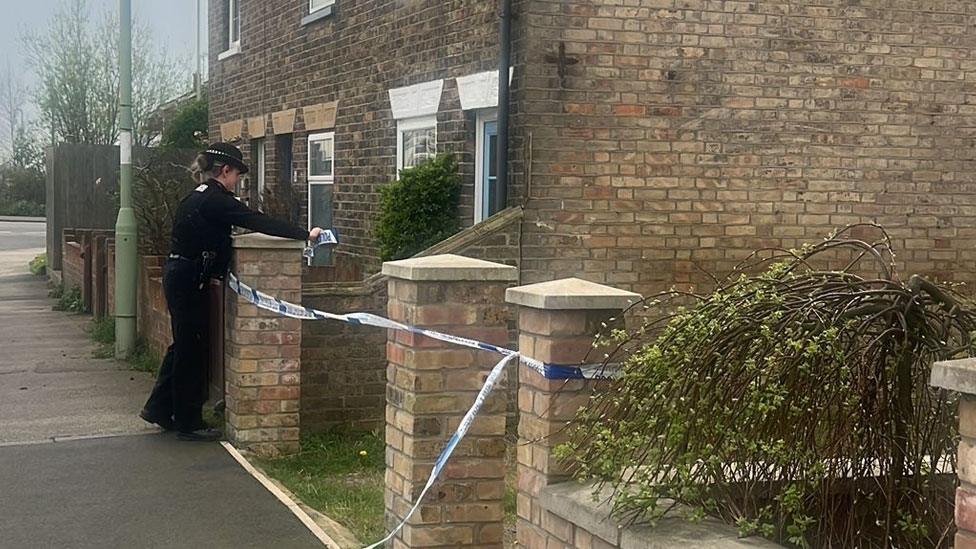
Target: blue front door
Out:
[489,169]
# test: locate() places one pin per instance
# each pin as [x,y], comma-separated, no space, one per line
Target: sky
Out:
[171,21]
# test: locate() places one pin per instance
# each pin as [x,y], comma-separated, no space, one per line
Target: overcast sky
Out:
[172,23]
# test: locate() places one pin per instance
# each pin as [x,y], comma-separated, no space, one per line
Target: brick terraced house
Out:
[651,141]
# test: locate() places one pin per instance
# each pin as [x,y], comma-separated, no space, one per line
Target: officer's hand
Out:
[313,235]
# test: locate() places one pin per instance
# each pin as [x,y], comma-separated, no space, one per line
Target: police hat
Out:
[228,154]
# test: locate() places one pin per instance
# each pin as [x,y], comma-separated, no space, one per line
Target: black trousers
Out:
[180,388]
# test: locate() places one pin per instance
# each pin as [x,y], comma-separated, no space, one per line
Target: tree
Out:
[22,188]
[12,98]
[76,61]
[186,129]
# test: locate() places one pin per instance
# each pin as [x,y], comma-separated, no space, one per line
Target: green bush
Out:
[420,209]
[69,300]
[189,123]
[792,401]
[38,265]
[22,208]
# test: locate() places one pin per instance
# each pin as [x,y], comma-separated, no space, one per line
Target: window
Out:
[258,174]
[320,155]
[416,141]
[316,5]
[232,20]
[486,166]
[321,172]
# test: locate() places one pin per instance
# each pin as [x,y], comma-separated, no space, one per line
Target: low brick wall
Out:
[89,264]
[152,314]
[572,517]
[73,263]
[343,365]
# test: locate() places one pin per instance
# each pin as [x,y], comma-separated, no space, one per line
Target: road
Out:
[19,243]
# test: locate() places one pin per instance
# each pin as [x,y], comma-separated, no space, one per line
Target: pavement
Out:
[78,468]
[138,491]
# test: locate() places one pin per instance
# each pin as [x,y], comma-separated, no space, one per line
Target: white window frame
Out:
[326,179]
[233,46]
[482,119]
[411,124]
[317,179]
[312,9]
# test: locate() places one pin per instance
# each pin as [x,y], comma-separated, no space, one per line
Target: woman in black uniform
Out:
[201,250]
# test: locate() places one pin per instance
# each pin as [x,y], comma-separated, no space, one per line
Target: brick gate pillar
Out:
[960,376]
[558,321]
[262,350]
[430,387]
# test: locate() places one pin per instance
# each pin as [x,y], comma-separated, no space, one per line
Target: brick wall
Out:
[685,133]
[355,57]
[343,365]
[73,265]
[153,315]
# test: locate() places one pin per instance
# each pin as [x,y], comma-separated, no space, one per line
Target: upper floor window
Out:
[232,20]
[316,5]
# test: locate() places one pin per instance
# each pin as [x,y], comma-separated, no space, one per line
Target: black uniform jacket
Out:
[204,220]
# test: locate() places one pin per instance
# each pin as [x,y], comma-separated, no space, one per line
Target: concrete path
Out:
[50,386]
[78,468]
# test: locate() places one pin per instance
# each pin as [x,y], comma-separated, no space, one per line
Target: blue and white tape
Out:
[550,371]
[328,236]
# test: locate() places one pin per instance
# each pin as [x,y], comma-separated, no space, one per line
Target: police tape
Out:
[291,310]
[326,238]
[549,371]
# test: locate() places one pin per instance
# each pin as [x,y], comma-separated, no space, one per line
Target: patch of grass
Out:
[38,265]
[341,475]
[143,359]
[68,300]
[56,292]
[213,418]
[102,331]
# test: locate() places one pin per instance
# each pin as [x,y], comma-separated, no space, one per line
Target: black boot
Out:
[200,435]
[165,422]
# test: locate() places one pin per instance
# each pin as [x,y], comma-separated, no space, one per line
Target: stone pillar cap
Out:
[571,293]
[955,375]
[263,241]
[449,267]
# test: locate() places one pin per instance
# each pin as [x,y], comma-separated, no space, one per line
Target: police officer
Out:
[201,247]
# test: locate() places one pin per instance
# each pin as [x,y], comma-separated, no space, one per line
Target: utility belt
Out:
[205,265]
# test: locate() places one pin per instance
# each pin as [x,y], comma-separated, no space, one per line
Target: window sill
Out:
[232,51]
[317,15]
